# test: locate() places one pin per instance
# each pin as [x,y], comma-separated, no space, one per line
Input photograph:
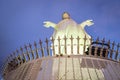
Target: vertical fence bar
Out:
[112,50]
[101,50]
[41,48]
[96,47]
[13,62]
[15,59]
[108,49]
[19,57]
[53,46]
[27,52]
[36,50]
[9,59]
[103,42]
[30,46]
[78,47]
[47,47]
[116,55]
[84,45]
[71,44]
[59,46]
[90,47]
[14,55]
[24,59]
[11,56]
[65,44]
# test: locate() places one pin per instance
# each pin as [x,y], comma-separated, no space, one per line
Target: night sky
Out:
[21,21]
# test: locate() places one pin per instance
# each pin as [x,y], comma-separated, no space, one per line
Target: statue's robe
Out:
[69,28]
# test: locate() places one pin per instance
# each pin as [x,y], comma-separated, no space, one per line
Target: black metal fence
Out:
[97,48]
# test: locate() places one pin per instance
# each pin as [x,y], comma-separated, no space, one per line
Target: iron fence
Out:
[97,48]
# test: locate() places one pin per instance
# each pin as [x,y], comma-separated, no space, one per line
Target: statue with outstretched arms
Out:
[68,27]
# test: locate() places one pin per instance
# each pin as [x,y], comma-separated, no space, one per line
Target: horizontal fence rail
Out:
[55,47]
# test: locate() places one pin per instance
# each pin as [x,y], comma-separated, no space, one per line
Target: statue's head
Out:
[65,16]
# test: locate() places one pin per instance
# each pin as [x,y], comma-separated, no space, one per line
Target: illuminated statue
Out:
[68,27]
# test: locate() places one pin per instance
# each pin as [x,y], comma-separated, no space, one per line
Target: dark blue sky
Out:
[21,21]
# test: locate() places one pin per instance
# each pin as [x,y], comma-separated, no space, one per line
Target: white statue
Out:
[68,27]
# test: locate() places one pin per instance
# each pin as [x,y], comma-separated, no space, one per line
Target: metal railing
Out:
[97,48]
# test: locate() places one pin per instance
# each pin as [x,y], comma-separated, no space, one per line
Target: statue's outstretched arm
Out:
[86,23]
[48,24]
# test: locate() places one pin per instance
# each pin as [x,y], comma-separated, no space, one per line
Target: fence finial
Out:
[47,47]
[53,46]
[41,48]
[31,51]
[25,46]
[112,49]
[36,50]
[84,45]
[78,44]
[71,38]
[117,51]
[59,46]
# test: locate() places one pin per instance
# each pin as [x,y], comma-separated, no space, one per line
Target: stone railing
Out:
[97,48]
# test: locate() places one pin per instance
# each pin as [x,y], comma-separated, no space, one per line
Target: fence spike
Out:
[35,44]
[116,55]
[21,49]
[103,40]
[65,44]
[107,50]
[97,40]
[59,48]
[13,53]
[53,46]
[78,38]
[11,56]
[108,41]
[25,46]
[17,51]
[14,56]
[112,50]
[23,55]
[19,58]
[30,46]
[41,48]
[84,45]
[71,38]
[90,47]
[47,47]
[36,50]
[23,58]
